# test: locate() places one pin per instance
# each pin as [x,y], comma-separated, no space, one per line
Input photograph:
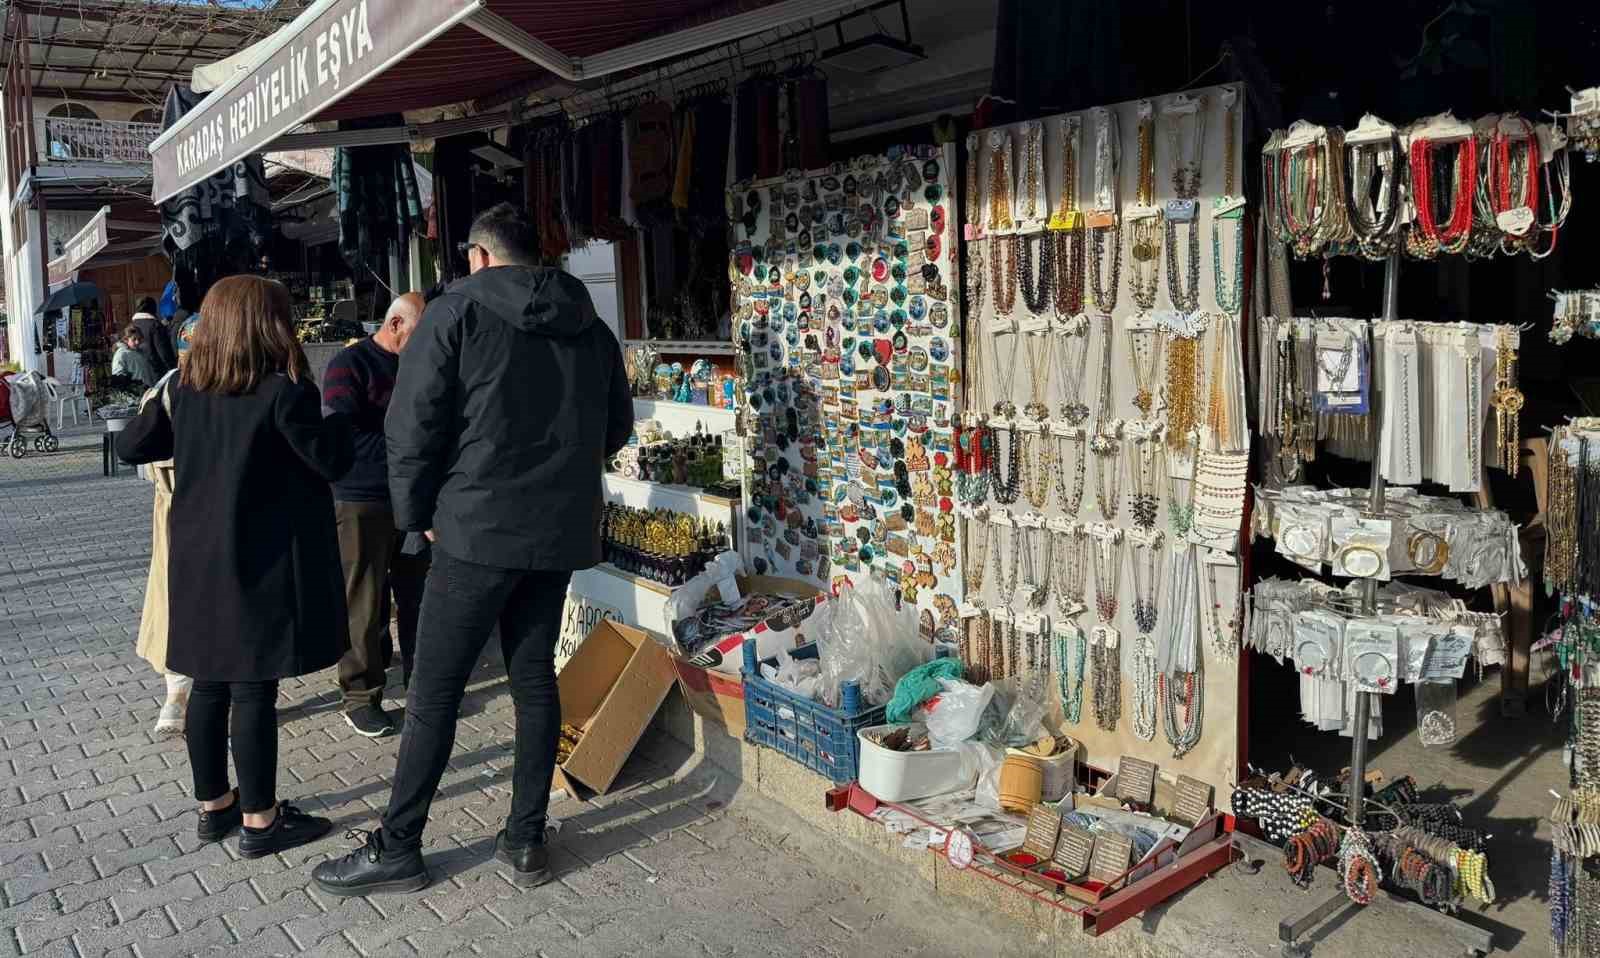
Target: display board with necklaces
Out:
[1101,468]
[845,309]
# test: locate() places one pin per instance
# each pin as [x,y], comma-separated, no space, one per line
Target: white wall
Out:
[596,266]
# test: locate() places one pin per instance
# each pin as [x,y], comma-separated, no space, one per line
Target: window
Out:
[148,115]
[63,140]
[74,111]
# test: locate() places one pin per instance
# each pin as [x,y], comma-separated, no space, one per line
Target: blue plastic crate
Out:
[820,738]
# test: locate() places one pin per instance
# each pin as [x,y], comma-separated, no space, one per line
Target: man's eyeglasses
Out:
[466,249]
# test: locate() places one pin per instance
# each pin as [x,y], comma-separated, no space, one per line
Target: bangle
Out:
[1361,561]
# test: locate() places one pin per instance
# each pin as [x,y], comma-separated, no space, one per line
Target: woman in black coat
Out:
[255,585]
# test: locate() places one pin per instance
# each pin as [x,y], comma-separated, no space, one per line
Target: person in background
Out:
[358,383]
[129,360]
[152,645]
[254,589]
[157,339]
[512,394]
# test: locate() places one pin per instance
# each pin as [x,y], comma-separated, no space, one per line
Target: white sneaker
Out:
[170,722]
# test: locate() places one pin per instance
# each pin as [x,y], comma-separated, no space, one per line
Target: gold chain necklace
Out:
[999,183]
[1183,374]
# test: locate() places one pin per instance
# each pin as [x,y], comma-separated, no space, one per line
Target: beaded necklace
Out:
[1003,274]
[1189,688]
[1146,611]
[1144,688]
[1071,569]
[1146,502]
[999,181]
[1229,293]
[1004,486]
[977,561]
[1105,294]
[1185,298]
[1107,658]
[1039,564]
[973,201]
[1071,502]
[1375,234]
[1071,648]
[1036,284]
[1107,450]
[1069,243]
[1144,351]
[1074,338]
[1107,574]
[1183,389]
[1428,238]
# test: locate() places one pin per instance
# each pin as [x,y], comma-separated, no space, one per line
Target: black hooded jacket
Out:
[511,396]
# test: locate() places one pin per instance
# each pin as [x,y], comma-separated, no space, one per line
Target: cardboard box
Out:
[611,689]
[715,696]
[782,631]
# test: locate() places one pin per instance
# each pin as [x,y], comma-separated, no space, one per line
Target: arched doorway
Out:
[66,139]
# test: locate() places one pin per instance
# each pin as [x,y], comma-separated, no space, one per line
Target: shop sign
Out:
[328,52]
[80,249]
[579,616]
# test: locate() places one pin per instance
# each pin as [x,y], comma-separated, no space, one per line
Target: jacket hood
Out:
[535,299]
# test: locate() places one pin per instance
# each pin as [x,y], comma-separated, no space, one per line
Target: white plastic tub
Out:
[892,776]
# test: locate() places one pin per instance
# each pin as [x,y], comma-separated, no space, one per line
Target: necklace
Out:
[1071,647]
[1224,633]
[977,554]
[1189,688]
[976,654]
[1005,574]
[1107,450]
[999,181]
[1144,688]
[1185,299]
[1103,412]
[1005,374]
[1069,254]
[974,149]
[1100,237]
[1229,293]
[1003,275]
[1033,168]
[1218,421]
[1146,501]
[1340,368]
[973,448]
[1142,355]
[1038,565]
[973,278]
[1507,402]
[1146,611]
[1073,338]
[1036,285]
[1186,171]
[1003,485]
[1147,153]
[1107,665]
[1374,230]
[1230,104]
[1180,509]
[1428,238]
[1107,573]
[1071,569]
[1040,354]
[1183,389]
[1073,502]
[1145,277]
[1036,483]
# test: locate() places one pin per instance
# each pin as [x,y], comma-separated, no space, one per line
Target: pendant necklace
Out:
[1107,449]
[1343,356]
[1005,374]
[1146,237]
[1180,508]
[1146,502]
[1186,177]
[1073,338]
[977,554]
[1144,349]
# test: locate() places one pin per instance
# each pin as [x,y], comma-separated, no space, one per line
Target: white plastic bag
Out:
[953,716]
[862,637]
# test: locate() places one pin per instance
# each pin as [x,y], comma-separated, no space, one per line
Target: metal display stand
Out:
[1474,941]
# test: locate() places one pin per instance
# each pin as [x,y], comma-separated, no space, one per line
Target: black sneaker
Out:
[217,825]
[370,720]
[530,864]
[372,868]
[291,829]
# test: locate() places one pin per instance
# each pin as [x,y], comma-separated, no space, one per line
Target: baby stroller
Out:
[24,406]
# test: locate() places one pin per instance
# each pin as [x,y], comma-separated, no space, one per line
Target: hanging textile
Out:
[379,205]
[749,134]
[453,169]
[810,118]
[221,224]
[650,166]
[708,186]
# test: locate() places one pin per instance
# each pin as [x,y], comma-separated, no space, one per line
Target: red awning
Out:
[436,52]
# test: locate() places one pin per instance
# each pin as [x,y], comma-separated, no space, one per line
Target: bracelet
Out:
[1361,561]
[1428,551]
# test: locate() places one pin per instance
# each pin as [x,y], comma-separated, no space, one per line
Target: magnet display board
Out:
[846,320]
[1067,352]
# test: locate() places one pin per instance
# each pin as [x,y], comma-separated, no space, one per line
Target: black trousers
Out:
[245,713]
[461,604]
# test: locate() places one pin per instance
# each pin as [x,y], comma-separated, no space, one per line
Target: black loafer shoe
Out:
[217,825]
[291,829]
[371,869]
[530,864]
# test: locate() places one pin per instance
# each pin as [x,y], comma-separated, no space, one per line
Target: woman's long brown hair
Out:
[246,336]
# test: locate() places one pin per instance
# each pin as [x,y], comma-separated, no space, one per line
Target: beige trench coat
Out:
[152,646]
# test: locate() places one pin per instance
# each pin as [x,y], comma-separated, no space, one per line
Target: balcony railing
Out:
[68,140]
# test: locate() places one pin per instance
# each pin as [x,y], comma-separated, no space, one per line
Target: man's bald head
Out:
[400,321]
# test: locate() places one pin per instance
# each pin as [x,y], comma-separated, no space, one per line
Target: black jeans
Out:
[247,714]
[461,604]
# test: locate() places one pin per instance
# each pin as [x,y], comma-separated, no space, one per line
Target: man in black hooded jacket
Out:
[511,396]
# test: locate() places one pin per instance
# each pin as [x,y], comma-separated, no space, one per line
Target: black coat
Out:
[157,345]
[255,587]
[511,396]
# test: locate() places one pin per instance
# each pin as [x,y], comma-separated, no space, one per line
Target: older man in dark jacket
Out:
[511,396]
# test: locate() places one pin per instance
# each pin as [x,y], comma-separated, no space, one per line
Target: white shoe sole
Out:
[385,731]
[169,730]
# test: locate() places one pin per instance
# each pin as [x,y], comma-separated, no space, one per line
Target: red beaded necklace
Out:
[1458,229]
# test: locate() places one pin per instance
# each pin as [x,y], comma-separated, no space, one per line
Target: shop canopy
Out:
[321,67]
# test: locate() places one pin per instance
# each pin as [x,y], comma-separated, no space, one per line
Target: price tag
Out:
[1034,324]
[1001,325]
[969,610]
[1030,425]
[1181,105]
[1030,520]
[1139,211]
[1064,221]
[971,232]
[1068,630]
[1001,517]
[1105,635]
[1032,623]
[1002,616]
[1180,211]
[1065,429]
[1059,524]
[1100,219]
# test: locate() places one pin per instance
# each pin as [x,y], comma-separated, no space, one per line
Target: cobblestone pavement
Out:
[97,848]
